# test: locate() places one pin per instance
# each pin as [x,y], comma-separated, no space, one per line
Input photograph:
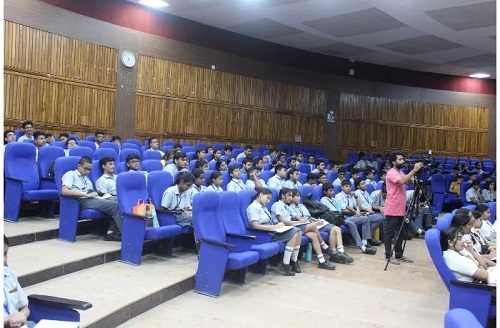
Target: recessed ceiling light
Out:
[154,3]
[479,75]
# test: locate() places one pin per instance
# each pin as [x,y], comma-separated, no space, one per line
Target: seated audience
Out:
[311,180]
[28,129]
[473,194]
[63,137]
[99,138]
[217,155]
[320,167]
[201,164]
[369,178]
[311,161]
[49,138]
[489,193]
[199,154]
[247,152]
[9,136]
[365,207]
[258,162]
[455,185]
[291,162]
[106,184]
[340,177]
[180,163]
[216,181]
[228,150]
[254,181]
[363,163]
[70,143]
[221,165]
[486,229]
[169,155]
[277,181]
[154,145]
[117,140]
[293,179]
[177,199]
[479,242]
[246,164]
[133,162]
[236,184]
[39,138]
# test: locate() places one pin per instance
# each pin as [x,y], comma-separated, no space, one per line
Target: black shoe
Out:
[329,251]
[369,250]
[341,258]
[326,265]
[286,268]
[374,242]
[295,266]
[113,237]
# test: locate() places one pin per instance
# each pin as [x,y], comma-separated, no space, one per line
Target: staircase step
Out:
[120,291]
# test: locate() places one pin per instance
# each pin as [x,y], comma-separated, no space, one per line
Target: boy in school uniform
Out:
[236,184]
[293,179]
[365,207]
[254,181]
[277,181]
[180,163]
[106,184]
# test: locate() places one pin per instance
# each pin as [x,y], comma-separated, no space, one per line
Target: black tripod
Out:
[412,209]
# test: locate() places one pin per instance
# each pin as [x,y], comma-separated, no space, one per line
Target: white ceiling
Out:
[456,37]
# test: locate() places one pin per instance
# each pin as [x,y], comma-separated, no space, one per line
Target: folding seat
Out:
[212,165]
[319,153]
[121,167]
[192,164]
[136,142]
[125,152]
[81,151]
[130,187]
[168,143]
[207,177]
[46,159]
[18,133]
[87,144]
[218,146]
[464,186]
[317,193]
[203,145]
[476,298]
[106,152]
[303,178]
[305,190]
[352,157]
[267,167]
[216,255]
[188,149]
[151,155]
[236,234]
[186,144]
[22,182]
[274,198]
[304,168]
[150,165]
[90,138]
[444,221]
[70,212]
[60,144]
[190,155]
[370,188]
[438,191]
[209,157]
[128,145]
[76,136]
[112,145]
[96,172]
[332,176]
[265,175]
[460,318]
[263,150]
[55,308]
[225,179]
[235,152]
[380,184]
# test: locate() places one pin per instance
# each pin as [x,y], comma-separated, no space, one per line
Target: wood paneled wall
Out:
[379,125]
[185,102]
[61,84]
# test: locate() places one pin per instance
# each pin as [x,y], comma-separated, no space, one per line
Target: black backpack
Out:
[321,211]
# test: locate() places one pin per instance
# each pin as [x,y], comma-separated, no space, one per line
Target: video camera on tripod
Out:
[427,165]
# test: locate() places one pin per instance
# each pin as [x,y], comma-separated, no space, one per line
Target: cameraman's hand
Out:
[417,167]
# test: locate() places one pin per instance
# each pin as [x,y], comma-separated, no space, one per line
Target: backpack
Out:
[321,211]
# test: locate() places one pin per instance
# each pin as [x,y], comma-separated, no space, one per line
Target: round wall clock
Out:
[128,59]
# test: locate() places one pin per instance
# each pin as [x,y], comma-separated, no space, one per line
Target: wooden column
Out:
[126,99]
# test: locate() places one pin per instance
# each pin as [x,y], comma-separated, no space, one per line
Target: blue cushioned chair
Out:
[216,255]
[70,212]
[265,175]
[151,165]
[304,168]
[236,232]
[81,151]
[55,308]
[87,144]
[225,179]
[444,221]
[128,145]
[22,182]
[106,152]
[136,142]
[460,318]
[477,298]
[493,210]
[75,136]
[151,155]
[464,186]
[130,187]
[245,198]
[125,152]
[46,158]
[112,145]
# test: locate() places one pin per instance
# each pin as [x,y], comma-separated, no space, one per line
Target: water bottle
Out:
[154,217]
[338,206]
[309,252]
[149,218]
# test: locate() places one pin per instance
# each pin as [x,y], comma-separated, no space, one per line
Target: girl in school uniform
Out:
[216,180]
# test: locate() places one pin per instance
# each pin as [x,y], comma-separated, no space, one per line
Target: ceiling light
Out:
[479,75]
[154,3]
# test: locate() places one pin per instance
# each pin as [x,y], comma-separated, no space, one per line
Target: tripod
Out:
[412,209]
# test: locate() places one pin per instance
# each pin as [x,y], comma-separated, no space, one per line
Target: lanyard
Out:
[238,184]
[268,215]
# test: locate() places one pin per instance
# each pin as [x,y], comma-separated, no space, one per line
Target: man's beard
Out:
[400,166]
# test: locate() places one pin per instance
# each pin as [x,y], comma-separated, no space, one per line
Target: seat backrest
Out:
[218,146]
[112,145]
[317,193]
[332,176]
[225,179]
[432,240]
[274,198]
[20,163]
[203,145]
[230,213]
[448,179]
[370,188]
[192,164]
[150,165]
[151,155]
[444,221]
[128,145]
[136,142]
[63,165]
[125,152]
[265,175]
[46,156]
[207,177]
[89,138]
[158,182]
[60,144]
[207,222]
[464,186]
[304,191]
[245,198]
[460,318]
[106,152]
[303,178]
[96,171]
[75,136]
[81,151]
[130,187]
[121,167]
[88,144]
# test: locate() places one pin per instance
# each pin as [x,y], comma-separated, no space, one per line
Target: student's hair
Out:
[105,160]
[26,123]
[361,154]
[5,240]
[215,174]
[319,161]
[197,173]
[462,210]
[357,182]
[477,214]
[150,139]
[485,176]
[460,219]
[219,163]
[198,151]
[482,208]
[292,171]
[132,156]
[199,163]
[448,234]
[341,170]
[63,135]
[177,145]
[272,150]
[247,147]
[6,132]
[345,182]
[382,173]
[169,153]
[179,155]
[290,159]
[48,135]
[263,191]
[256,160]
[187,177]
[215,151]
[475,183]
[394,155]
[320,174]
[247,160]
[294,192]
[85,160]
[309,156]
[283,192]
[327,186]
[71,139]
[36,134]
[279,167]
[311,176]
[354,170]
[459,176]
[368,171]
[298,153]
[228,148]
[98,132]
[252,169]
[233,168]
[113,138]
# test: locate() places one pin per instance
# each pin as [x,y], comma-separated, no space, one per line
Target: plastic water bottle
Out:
[154,217]
[149,222]
[309,252]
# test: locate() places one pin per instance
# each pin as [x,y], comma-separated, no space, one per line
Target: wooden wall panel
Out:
[379,125]
[62,84]
[197,104]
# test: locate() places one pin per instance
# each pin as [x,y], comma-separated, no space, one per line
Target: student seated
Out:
[464,266]
[76,184]
[70,143]
[117,140]
[99,138]
[473,194]
[369,178]
[254,181]
[177,199]
[199,154]
[291,162]
[259,217]
[133,162]
[199,183]
[221,165]
[63,137]
[49,138]
[217,155]
[201,164]
[336,250]
[363,163]
[39,138]
[9,136]
[311,180]
[180,164]
[169,155]
[365,207]
[340,177]
[236,184]
[246,164]
[228,150]
[216,181]
[28,129]
[350,207]
[258,162]
[277,181]
[320,167]
[486,229]
[154,145]
[489,193]
[479,242]
[293,179]
[247,152]
[106,184]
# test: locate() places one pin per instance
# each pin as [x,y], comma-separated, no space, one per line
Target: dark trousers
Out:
[392,228]
[107,206]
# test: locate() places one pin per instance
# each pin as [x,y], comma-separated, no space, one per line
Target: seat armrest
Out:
[218,243]
[59,302]
[473,285]
[135,216]
[237,235]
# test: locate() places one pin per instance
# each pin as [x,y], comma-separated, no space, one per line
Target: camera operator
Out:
[395,204]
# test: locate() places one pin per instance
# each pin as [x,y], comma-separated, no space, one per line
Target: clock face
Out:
[128,59]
